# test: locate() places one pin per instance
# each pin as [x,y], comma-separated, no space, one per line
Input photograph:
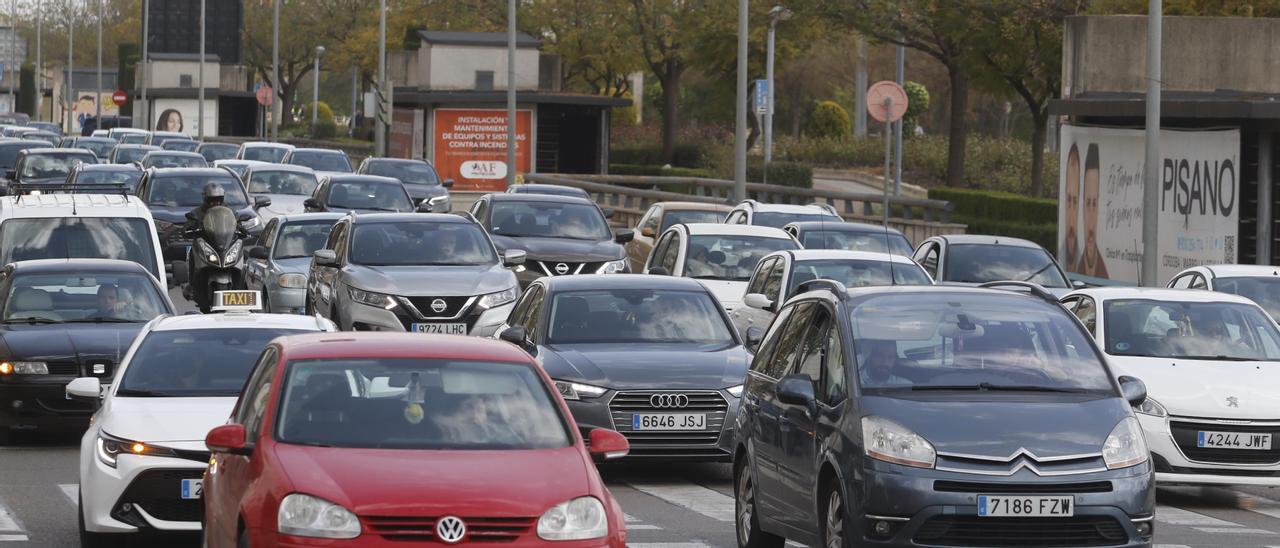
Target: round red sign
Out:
[897,103]
[119,97]
[264,95]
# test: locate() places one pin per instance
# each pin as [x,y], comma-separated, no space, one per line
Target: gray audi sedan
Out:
[280,262]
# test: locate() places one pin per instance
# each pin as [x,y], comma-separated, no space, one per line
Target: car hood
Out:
[1047,425]
[69,342]
[437,483]
[283,204]
[729,293]
[680,366]
[159,420]
[434,281]
[1207,388]
[563,249]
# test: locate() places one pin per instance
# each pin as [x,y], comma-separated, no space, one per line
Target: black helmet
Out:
[214,195]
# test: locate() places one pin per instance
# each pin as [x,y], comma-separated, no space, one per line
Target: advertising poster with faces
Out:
[1100,200]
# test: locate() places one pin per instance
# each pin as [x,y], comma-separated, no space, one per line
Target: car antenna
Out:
[893,275]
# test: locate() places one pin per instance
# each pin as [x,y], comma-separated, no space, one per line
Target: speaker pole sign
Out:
[471,147]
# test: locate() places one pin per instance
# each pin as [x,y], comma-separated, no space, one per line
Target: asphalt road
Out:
[667,506]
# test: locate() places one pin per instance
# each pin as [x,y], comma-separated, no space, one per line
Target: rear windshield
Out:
[129,155]
[282,182]
[982,263]
[78,238]
[857,273]
[162,160]
[53,165]
[322,161]
[779,220]
[265,154]
[127,177]
[418,404]
[133,138]
[9,152]
[689,216]
[83,298]
[100,148]
[419,173]
[196,362]
[179,144]
[857,241]
[188,190]
[218,151]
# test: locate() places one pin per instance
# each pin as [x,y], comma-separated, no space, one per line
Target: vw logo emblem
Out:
[439,306]
[562,269]
[1232,401]
[451,530]
[669,401]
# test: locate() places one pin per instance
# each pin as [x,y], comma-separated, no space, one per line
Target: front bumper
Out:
[41,404]
[480,321]
[615,410]
[141,493]
[1174,465]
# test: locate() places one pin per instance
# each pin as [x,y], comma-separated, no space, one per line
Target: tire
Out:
[94,540]
[746,519]
[6,436]
[834,520]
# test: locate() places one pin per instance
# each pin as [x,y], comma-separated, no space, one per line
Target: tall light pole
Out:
[778,13]
[740,133]
[1150,172]
[899,76]
[200,93]
[146,69]
[315,89]
[13,55]
[70,90]
[39,56]
[380,126]
[97,101]
[275,72]
[511,93]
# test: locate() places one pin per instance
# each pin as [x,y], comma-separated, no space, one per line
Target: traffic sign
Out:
[119,97]
[762,97]
[264,95]
[876,96]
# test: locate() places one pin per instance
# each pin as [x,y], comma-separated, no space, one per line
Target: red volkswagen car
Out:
[384,439]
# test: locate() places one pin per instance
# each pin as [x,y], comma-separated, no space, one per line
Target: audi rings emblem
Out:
[669,401]
[562,269]
[451,530]
[438,306]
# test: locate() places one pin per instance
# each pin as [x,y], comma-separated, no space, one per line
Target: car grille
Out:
[1185,433]
[73,369]
[66,369]
[552,268]
[158,493]
[423,529]
[659,443]
[1043,532]
[997,488]
[453,306]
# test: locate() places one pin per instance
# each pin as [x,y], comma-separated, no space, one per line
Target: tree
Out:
[666,30]
[594,40]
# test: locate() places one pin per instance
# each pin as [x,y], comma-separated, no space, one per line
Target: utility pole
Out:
[380,125]
[778,13]
[860,89]
[69,90]
[39,56]
[1150,172]
[275,70]
[315,90]
[13,55]
[200,99]
[740,133]
[355,91]
[511,93]
[97,101]
[897,126]
[146,69]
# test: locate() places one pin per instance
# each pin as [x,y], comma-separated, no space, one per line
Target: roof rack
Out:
[18,189]
[1036,290]
[820,283]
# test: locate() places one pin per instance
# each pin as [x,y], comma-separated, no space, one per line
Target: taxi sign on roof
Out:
[240,300]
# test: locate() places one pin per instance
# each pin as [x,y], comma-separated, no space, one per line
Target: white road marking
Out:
[72,491]
[1260,505]
[1177,516]
[707,502]
[13,538]
[635,524]
[11,530]
[1236,530]
[1171,546]
[668,545]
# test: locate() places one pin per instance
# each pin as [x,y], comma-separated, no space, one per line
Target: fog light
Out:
[17,404]
[1144,528]
[882,528]
[126,507]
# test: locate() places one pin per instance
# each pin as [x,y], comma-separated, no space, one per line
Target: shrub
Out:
[656,170]
[917,105]
[782,173]
[324,130]
[1001,206]
[829,119]
[687,155]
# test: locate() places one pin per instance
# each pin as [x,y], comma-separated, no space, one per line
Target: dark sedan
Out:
[125,175]
[171,193]
[653,356]
[100,146]
[63,319]
[419,178]
[47,168]
[359,193]
[9,152]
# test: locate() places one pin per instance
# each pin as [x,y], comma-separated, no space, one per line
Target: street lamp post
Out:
[13,55]
[146,68]
[778,13]
[380,126]
[275,72]
[39,56]
[511,93]
[740,130]
[97,101]
[315,90]
[69,88]
[200,93]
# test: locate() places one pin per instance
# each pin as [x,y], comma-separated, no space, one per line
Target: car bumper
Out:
[918,513]
[366,539]
[141,493]
[43,405]
[363,317]
[714,444]
[1174,466]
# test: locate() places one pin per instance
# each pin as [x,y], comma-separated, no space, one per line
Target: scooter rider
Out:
[214,196]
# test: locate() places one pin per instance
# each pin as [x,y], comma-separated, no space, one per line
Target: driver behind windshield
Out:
[878,363]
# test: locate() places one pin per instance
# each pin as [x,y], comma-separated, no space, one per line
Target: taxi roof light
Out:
[238,301]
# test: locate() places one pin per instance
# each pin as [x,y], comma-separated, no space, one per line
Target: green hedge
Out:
[783,173]
[687,155]
[657,170]
[997,205]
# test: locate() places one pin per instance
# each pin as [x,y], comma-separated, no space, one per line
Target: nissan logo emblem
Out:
[439,306]
[562,269]
[669,401]
[451,530]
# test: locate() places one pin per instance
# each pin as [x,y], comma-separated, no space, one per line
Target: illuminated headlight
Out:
[1151,407]
[735,391]
[891,442]
[292,281]
[205,250]
[25,368]
[372,299]
[494,300]
[613,267]
[109,448]
[579,519]
[233,254]
[307,516]
[576,391]
[250,223]
[1125,446]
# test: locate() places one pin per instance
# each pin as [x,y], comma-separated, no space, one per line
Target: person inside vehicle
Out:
[213,196]
[700,265]
[109,304]
[1213,335]
[574,225]
[877,365]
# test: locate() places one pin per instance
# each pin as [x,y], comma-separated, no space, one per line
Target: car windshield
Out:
[733,258]
[369,195]
[973,341]
[129,155]
[778,220]
[416,243]
[419,173]
[9,152]
[196,362]
[188,190]
[265,154]
[282,182]
[1264,290]
[418,404]
[173,160]
[575,221]
[637,316]
[689,216]
[322,160]
[53,165]
[180,144]
[237,169]
[857,273]
[857,241]
[83,297]
[127,177]
[302,238]
[129,239]
[218,151]
[100,148]
[133,138]
[982,263]
[1189,330]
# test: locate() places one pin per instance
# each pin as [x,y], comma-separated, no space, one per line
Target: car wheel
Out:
[6,436]
[747,522]
[89,539]
[835,529]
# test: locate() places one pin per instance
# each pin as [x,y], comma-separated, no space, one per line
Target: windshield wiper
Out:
[32,320]
[1222,357]
[101,319]
[138,393]
[986,386]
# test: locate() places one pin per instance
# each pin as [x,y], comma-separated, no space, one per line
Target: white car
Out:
[1211,363]
[143,457]
[721,256]
[751,212]
[286,185]
[1260,283]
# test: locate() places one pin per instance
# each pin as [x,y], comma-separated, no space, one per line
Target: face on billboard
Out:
[1091,259]
[1072,247]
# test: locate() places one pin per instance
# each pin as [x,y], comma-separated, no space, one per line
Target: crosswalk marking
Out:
[1234,530]
[72,491]
[1177,516]
[668,545]
[1264,506]
[13,538]
[10,529]
[634,524]
[707,502]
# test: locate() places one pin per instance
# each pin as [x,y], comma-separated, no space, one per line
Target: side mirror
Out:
[608,212]
[755,334]
[448,183]
[85,389]
[605,444]
[259,252]
[191,215]
[796,390]
[244,217]
[10,174]
[228,438]
[326,257]
[658,271]
[1078,284]
[647,232]
[260,202]
[513,257]
[311,204]
[516,335]
[759,301]
[623,236]
[1133,390]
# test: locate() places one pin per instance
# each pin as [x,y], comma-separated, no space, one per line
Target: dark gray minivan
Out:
[937,416]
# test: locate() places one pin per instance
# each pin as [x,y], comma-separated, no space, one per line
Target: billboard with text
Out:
[470,147]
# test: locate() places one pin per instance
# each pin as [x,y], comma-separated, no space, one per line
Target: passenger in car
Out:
[877,365]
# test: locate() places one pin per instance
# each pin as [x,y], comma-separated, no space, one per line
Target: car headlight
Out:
[1151,407]
[24,368]
[575,391]
[1125,446]
[292,281]
[162,226]
[372,299]
[735,391]
[578,519]
[205,250]
[437,200]
[494,300]
[251,222]
[233,254]
[307,516]
[891,442]
[613,267]
[109,448]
